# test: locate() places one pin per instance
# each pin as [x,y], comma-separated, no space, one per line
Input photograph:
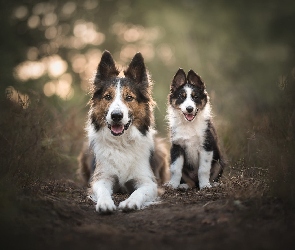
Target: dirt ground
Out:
[61,216]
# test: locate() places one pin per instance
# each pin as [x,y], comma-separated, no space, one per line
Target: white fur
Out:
[102,191]
[188,102]
[204,168]
[127,157]
[176,172]
[191,136]
[118,105]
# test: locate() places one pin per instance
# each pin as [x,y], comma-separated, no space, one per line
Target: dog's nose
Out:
[189,109]
[117,115]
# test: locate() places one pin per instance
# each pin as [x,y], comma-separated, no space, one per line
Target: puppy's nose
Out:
[117,115]
[189,109]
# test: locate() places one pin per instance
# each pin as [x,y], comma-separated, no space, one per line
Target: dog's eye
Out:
[108,97]
[182,96]
[129,98]
[195,97]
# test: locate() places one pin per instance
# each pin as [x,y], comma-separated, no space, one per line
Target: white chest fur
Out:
[189,135]
[124,156]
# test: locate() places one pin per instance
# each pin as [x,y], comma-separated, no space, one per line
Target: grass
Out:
[263,144]
[37,143]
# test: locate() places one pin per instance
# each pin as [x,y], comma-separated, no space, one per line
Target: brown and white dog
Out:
[196,160]
[121,136]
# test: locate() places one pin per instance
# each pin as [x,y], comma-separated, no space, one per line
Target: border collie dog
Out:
[121,135]
[196,160]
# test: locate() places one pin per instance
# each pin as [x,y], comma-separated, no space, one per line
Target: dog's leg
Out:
[204,168]
[177,160]
[146,191]
[103,190]
[176,172]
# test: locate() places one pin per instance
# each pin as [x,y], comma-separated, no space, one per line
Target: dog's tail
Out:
[160,161]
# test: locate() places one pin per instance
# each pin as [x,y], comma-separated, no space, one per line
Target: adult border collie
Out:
[121,136]
[196,160]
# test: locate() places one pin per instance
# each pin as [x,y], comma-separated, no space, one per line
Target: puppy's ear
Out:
[195,79]
[136,69]
[106,68]
[178,80]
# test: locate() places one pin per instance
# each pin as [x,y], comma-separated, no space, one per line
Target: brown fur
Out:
[98,107]
[160,161]
[85,160]
[136,84]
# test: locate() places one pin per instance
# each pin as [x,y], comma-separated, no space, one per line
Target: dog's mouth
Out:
[189,117]
[118,128]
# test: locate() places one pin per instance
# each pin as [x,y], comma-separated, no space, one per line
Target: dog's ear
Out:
[195,79]
[178,80]
[136,69]
[106,68]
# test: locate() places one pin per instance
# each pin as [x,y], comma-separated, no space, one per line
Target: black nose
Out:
[116,115]
[189,109]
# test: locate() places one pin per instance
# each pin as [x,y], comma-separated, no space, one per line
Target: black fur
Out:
[94,122]
[210,144]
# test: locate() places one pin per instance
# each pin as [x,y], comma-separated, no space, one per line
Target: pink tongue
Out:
[189,117]
[117,129]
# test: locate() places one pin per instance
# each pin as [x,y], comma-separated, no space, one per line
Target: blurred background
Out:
[243,50]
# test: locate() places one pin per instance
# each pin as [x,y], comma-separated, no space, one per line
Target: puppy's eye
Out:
[129,98]
[195,97]
[108,97]
[182,96]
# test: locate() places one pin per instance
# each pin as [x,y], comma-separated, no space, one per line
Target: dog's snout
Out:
[117,115]
[189,109]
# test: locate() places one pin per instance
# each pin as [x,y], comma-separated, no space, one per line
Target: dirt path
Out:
[61,217]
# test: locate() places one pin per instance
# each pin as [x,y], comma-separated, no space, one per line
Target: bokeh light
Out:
[21,12]
[29,70]
[68,37]
[55,66]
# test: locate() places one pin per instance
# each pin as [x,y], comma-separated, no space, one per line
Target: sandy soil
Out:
[61,216]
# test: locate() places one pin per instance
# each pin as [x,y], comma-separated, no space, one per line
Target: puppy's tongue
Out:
[189,117]
[117,129]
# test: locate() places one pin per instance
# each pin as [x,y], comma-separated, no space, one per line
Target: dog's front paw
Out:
[105,206]
[183,186]
[172,184]
[130,204]
[205,185]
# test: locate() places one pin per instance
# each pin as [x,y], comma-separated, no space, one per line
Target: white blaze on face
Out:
[188,107]
[117,107]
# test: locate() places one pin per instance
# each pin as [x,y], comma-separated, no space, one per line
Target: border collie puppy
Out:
[196,160]
[121,136]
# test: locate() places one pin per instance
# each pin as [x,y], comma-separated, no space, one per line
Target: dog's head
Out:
[188,94]
[119,102]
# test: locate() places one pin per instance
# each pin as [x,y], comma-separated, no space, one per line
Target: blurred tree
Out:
[240,48]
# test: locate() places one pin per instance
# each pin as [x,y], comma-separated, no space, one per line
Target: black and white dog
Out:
[196,160]
[120,132]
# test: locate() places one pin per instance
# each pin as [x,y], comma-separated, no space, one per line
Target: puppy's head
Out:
[118,102]
[187,94]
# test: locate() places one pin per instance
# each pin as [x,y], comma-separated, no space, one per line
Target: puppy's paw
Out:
[183,186]
[172,184]
[105,206]
[205,185]
[130,204]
